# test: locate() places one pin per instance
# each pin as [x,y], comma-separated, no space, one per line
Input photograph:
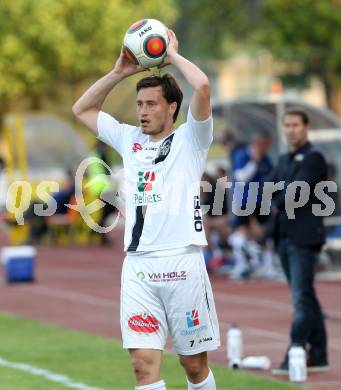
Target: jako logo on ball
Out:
[143,324]
[145,43]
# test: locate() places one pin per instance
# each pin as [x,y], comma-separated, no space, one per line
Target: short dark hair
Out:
[260,134]
[298,112]
[170,89]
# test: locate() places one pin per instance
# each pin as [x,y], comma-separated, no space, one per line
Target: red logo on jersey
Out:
[136,147]
[145,180]
[143,324]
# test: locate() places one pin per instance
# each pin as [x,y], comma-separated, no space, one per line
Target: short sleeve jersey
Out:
[161,182]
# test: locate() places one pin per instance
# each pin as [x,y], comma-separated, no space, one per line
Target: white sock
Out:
[160,385]
[238,240]
[268,259]
[206,384]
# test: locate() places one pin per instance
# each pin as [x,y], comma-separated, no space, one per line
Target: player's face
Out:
[296,131]
[154,112]
[263,145]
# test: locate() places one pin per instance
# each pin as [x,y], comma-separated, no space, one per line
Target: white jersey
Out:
[162,183]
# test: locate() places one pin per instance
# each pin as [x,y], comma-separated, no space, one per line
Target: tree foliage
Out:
[43,41]
[206,28]
[307,31]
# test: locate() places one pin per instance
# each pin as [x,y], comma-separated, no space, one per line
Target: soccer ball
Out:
[145,43]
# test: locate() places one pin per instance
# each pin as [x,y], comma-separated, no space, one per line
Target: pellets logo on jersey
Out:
[136,147]
[192,318]
[145,181]
[145,323]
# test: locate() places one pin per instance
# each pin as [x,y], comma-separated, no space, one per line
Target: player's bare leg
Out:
[146,364]
[199,376]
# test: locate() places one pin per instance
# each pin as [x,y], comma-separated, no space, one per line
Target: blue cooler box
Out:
[19,263]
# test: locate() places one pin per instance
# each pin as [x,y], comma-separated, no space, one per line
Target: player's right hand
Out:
[125,66]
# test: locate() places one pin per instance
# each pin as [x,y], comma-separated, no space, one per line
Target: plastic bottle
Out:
[256,362]
[234,346]
[297,364]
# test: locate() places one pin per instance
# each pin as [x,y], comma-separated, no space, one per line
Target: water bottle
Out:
[234,346]
[297,364]
[256,363]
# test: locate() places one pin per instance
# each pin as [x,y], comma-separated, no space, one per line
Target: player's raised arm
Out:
[200,103]
[90,103]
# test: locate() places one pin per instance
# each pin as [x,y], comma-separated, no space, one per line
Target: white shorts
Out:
[168,295]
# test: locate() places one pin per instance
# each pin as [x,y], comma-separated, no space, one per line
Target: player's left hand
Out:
[172,48]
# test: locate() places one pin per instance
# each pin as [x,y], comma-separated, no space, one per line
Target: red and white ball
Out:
[145,42]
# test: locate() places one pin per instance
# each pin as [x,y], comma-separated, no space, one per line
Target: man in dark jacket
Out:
[300,237]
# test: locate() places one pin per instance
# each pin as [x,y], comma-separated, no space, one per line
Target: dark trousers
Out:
[307,328]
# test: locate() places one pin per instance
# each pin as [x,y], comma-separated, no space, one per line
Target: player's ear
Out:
[173,107]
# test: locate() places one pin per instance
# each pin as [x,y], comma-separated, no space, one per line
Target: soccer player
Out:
[165,289]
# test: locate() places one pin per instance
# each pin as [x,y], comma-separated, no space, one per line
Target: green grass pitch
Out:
[92,360]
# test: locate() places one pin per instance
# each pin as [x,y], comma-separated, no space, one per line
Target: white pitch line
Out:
[108,303]
[335,343]
[49,375]
[218,296]
[265,347]
[75,296]
[264,303]
[266,333]
[259,332]
[268,304]
[330,383]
